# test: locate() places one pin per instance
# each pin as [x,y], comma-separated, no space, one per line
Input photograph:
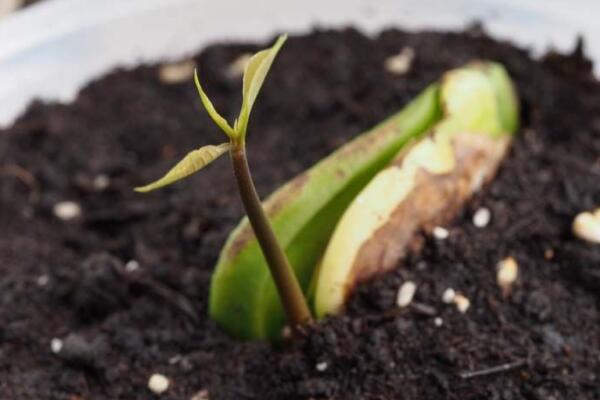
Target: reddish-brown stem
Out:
[290,293]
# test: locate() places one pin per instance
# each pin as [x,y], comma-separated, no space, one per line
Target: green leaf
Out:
[254,76]
[192,162]
[210,108]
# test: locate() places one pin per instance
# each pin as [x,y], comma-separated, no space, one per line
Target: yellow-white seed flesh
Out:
[421,189]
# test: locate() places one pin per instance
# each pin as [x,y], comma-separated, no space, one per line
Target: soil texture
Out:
[118,287]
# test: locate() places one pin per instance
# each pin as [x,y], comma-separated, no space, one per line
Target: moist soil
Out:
[125,284]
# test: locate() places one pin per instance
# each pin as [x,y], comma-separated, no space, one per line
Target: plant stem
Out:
[290,293]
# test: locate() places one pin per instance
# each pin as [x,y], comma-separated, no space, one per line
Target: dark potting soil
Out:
[75,281]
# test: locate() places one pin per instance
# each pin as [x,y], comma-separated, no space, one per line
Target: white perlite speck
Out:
[482,217]
[286,332]
[406,294]
[175,359]
[67,210]
[101,182]
[158,383]
[586,226]
[238,66]
[437,321]
[43,280]
[462,303]
[56,345]
[176,72]
[201,395]
[322,366]
[508,271]
[440,233]
[132,266]
[399,64]
[448,296]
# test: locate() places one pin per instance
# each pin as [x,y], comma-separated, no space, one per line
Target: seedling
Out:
[256,70]
[290,250]
[303,213]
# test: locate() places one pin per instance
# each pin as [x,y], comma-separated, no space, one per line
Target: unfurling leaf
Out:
[210,108]
[254,77]
[192,162]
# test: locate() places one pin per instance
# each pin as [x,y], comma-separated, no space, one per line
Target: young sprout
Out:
[289,290]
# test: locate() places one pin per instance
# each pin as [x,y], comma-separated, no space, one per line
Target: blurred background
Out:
[50,48]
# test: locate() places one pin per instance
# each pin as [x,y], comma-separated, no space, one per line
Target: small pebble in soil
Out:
[549,254]
[399,64]
[158,383]
[56,345]
[440,233]
[553,338]
[539,305]
[99,287]
[77,350]
[315,387]
[482,217]
[406,294]
[201,395]
[322,366]
[508,271]
[423,309]
[132,266]
[176,72]
[101,182]
[238,66]
[586,226]
[175,359]
[67,210]
[437,321]
[286,332]
[462,303]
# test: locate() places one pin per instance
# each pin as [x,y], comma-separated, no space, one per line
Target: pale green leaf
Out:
[192,162]
[254,77]
[210,108]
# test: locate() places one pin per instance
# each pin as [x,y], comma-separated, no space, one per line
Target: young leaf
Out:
[254,77]
[210,108]
[192,162]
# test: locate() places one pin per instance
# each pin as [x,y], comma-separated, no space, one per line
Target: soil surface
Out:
[123,285]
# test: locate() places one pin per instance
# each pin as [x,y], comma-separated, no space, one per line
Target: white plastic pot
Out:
[51,49]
